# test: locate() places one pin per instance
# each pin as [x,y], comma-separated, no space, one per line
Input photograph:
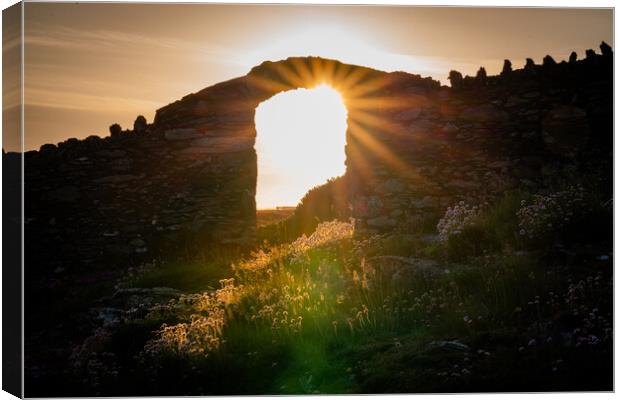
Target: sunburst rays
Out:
[370,122]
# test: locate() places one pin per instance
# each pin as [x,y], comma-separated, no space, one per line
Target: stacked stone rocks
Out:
[484,137]
[135,196]
[414,147]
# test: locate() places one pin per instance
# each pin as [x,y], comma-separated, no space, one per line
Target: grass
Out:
[183,275]
[268,217]
[314,316]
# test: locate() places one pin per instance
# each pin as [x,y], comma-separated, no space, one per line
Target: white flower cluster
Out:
[455,219]
[202,334]
[543,214]
[325,233]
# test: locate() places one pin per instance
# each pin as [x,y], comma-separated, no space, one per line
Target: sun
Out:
[301,136]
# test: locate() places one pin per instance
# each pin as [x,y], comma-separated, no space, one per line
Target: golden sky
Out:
[90,65]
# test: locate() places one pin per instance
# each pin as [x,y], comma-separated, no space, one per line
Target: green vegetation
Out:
[272,216]
[182,275]
[322,203]
[492,303]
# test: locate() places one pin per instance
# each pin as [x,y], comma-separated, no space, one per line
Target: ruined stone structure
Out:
[414,147]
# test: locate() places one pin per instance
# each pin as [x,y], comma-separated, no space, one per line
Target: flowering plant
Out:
[325,233]
[545,213]
[455,219]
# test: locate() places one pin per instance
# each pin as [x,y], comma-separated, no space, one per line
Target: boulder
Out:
[47,148]
[140,124]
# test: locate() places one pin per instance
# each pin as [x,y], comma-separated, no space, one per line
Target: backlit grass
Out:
[331,314]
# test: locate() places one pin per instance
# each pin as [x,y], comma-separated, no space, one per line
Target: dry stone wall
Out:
[414,147]
[520,130]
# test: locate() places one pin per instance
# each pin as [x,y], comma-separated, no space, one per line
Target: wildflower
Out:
[455,219]
[546,212]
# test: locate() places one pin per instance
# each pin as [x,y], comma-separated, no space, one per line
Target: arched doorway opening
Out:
[300,145]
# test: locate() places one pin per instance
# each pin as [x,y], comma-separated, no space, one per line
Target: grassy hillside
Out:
[325,202]
[510,296]
[268,217]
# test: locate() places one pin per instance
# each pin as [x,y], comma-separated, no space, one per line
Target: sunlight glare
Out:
[300,142]
[340,43]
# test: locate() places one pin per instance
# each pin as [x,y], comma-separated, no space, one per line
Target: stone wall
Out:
[521,130]
[414,147]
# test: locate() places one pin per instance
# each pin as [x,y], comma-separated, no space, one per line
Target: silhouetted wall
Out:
[413,148]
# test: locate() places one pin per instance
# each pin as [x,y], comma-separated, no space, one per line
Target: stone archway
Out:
[413,149]
[219,120]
